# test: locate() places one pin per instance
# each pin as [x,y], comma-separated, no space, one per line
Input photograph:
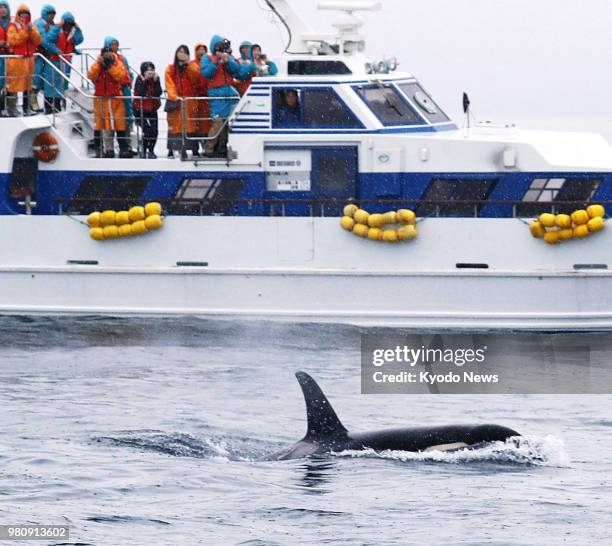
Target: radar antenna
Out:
[302,39]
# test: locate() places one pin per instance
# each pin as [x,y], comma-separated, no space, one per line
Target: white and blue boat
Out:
[257,233]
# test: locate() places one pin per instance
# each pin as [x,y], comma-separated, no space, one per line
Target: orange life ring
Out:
[45,147]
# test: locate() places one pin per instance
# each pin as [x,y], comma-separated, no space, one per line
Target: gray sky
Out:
[520,60]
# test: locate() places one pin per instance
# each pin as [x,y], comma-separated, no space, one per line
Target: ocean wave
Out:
[230,448]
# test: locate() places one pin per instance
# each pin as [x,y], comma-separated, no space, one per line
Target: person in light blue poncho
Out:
[44,24]
[220,69]
[61,40]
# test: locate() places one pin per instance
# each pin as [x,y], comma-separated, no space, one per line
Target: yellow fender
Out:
[559,228]
[110,224]
[380,227]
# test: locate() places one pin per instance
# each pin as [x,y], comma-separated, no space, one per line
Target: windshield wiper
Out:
[393,107]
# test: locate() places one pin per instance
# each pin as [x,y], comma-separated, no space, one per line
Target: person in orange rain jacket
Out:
[108,74]
[23,38]
[182,80]
[113,44]
[203,123]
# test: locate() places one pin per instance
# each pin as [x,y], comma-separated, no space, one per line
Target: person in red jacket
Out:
[108,74]
[149,87]
[5,20]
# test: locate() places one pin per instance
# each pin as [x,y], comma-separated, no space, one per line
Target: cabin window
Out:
[548,190]
[448,191]
[107,192]
[415,93]
[22,180]
[318,68]
[206,196]
[388,105]
[312,108]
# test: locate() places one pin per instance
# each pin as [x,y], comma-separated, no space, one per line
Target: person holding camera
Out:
[23,38]
[182,81]
[263,65]
[61,40]
[109,74]
[220,69]
[254,63]
[148,86]
[112,44]
[44,24]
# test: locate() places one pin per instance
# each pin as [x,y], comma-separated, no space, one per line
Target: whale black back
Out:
[323,422]
[327,434]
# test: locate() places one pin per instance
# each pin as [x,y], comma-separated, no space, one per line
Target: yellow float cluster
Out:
[376,226]
[557,228]
[112,224]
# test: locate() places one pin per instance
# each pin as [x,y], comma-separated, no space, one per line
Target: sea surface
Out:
[156,431]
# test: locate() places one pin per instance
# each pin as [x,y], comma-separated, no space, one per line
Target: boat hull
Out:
[308,269]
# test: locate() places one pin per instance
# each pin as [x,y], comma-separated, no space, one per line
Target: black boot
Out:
[125,150]
[11,105]
[25,107]
[97,144]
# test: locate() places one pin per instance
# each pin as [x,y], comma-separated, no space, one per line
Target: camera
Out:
[224,47]
[108,59]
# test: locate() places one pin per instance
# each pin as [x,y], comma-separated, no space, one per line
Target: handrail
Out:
[84,77]
[312,204]
[362,202]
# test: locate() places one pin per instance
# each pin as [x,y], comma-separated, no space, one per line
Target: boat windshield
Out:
[388,105]
[415,93]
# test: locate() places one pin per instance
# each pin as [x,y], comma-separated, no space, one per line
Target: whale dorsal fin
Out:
[322,419]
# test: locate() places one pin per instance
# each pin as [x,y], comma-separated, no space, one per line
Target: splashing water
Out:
[527,450]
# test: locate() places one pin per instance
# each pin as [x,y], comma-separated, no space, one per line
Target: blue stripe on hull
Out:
[53,185]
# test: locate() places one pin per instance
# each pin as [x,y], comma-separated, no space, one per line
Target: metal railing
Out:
[85,92]
[315,207]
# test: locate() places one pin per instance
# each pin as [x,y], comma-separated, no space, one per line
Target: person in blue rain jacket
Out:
[44,24]
[245,51]
[221,70]
[61,40]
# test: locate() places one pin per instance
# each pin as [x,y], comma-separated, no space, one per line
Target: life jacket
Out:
[202,87]
[184,85]
[222,76]
[27,48]
[3,38]
[149,102]
[65,45]
[240,85]
[106,86]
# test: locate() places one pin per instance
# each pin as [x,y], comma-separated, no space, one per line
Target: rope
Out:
[74,219]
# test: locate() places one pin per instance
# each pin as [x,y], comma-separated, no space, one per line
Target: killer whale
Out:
[327,434]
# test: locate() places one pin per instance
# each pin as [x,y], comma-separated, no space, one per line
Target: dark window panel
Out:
[455,190]
[390,108]
[318,68]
